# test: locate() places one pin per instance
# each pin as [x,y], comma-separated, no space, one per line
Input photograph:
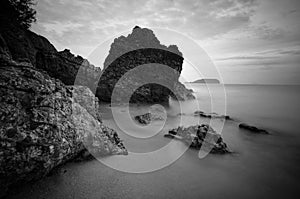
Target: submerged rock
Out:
[198,136]
[44,123]
[211,115]
[252,128]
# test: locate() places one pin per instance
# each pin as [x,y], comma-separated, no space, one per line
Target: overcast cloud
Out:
[243,37]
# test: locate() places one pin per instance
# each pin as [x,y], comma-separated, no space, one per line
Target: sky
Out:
[247,41]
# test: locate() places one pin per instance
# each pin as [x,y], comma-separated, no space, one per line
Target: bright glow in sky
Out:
[249,41]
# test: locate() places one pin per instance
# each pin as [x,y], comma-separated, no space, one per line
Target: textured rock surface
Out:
[43,124]
[198,136]
[139,48]
[24,45]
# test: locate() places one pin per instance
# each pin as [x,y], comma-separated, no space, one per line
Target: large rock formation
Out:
[141,47]
[24,45]
[44,123]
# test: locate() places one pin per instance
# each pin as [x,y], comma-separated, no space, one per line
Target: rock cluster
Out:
[141,47]
[44,123]
[245,126]
[198,136]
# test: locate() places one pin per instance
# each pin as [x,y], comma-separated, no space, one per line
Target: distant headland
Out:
[206,81]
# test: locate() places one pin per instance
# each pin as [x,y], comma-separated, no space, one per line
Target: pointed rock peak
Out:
[139,38]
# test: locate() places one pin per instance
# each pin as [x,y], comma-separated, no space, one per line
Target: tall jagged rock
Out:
[140,38]
[126,54]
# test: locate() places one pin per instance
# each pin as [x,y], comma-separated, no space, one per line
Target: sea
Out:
[260,166]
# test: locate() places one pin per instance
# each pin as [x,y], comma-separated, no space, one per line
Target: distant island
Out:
[206,81]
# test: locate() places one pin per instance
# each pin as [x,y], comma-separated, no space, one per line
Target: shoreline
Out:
[209,176]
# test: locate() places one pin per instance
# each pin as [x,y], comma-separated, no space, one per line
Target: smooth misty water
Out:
[262,166]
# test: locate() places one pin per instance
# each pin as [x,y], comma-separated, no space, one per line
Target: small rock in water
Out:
[196,136]
[252,128]
[143,119]
[211,115]
[147,118]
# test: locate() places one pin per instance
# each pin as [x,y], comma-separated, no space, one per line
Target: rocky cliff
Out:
[25,45]
[44,122]
[138,48]
[141,47]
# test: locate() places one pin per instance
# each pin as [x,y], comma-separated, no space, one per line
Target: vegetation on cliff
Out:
[18,12]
